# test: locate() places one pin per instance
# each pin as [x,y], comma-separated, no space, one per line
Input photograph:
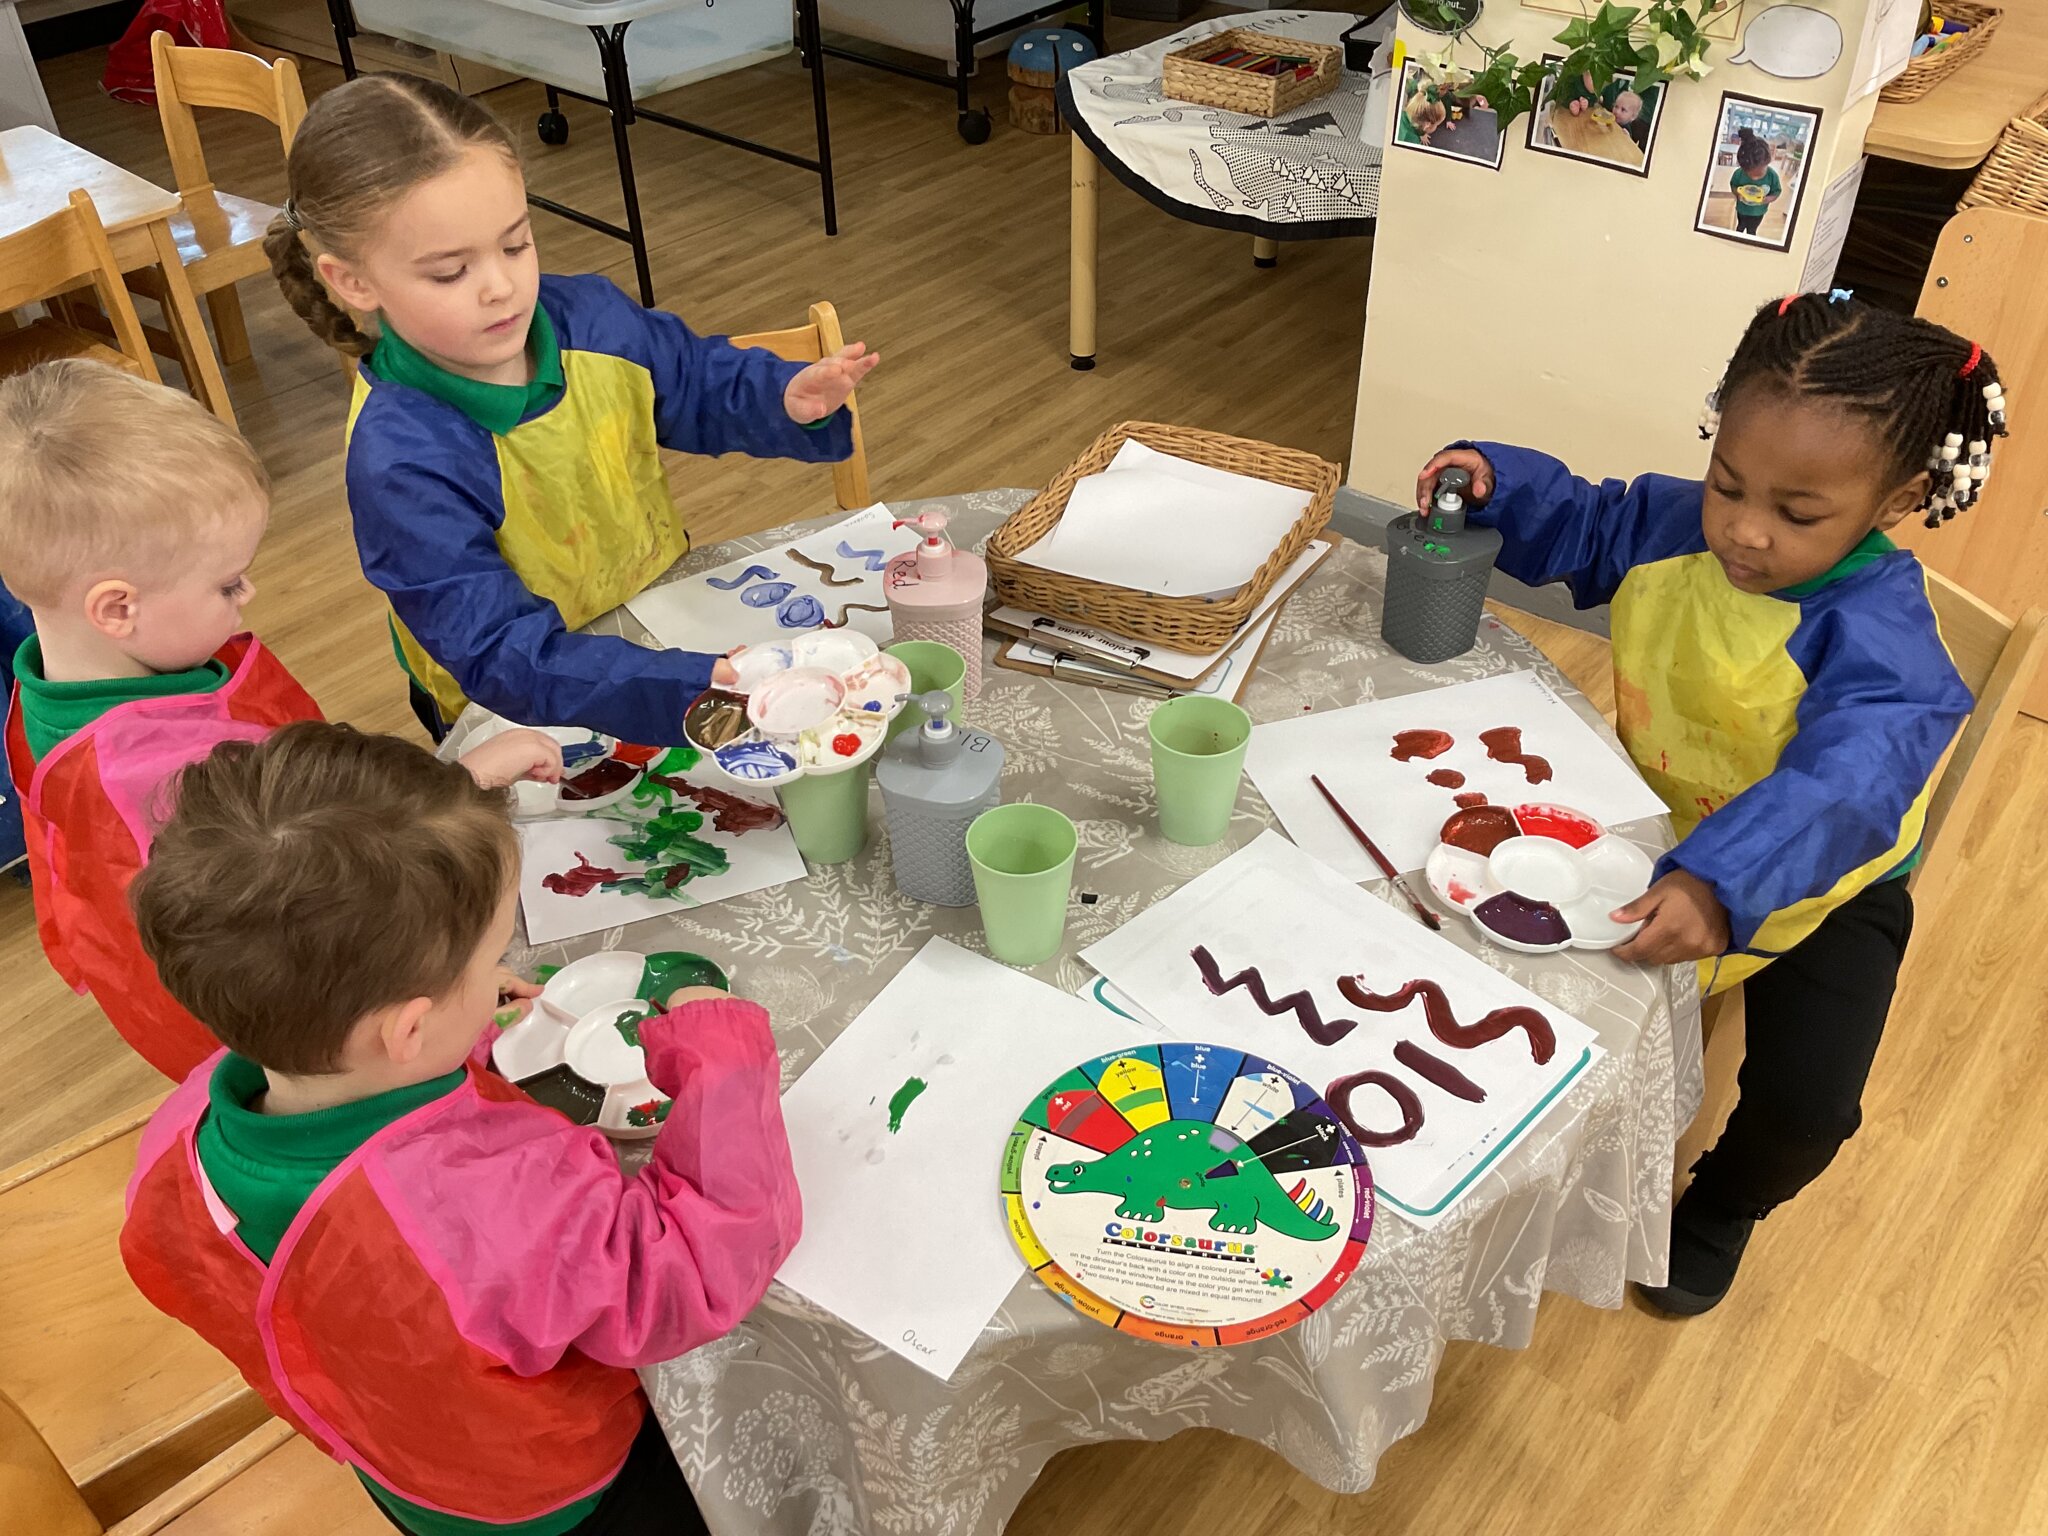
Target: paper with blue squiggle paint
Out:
[766,596]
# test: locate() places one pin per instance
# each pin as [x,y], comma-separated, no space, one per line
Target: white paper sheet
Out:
[1156,523]
[711,611]
[903,1231]
[1885,46]
[1831,229]
[758,859]
[1078,640]
[1397,805]
[1272,907]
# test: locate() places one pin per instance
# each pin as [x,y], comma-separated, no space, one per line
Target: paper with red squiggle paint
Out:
[1271,907]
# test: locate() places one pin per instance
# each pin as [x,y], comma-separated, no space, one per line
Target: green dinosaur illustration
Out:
[1190,1165]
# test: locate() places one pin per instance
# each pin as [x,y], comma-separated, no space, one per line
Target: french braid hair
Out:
[1933,398]
[361,148]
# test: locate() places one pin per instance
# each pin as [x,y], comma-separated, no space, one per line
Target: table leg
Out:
[1081,298]
[812,45]
[181,309]
[343,19]
[1265,253]
[618,90]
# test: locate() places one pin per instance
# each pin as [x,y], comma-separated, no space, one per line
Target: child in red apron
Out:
[129,517]
[442,1284]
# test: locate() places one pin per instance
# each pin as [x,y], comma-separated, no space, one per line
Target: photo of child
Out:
[1613,125]
[1757,171]
[1439,119]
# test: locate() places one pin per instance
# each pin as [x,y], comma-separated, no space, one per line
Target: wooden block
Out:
[1035,110]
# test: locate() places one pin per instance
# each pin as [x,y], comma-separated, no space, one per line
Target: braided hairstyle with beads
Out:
[1933,398]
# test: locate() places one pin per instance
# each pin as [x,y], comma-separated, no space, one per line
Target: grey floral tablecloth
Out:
[795,1423]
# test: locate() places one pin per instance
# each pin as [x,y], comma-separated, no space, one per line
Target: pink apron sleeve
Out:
[542,1244]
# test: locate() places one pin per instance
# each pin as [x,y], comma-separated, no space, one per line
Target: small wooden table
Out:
[38,172]
[1953,126]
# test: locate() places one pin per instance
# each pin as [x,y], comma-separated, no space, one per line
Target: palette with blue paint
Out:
[820,703]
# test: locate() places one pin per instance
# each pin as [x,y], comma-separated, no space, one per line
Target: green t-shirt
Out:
[265,1167]
[1762,187]
[50,712]
[497,408]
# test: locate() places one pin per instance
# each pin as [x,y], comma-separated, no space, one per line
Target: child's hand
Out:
[1471,460]
[1682,920]
[823,387]
[514,755]
[724,674]
[515,997]
[683,995]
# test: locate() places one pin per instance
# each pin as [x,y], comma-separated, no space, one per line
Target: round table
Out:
[797,1424]
[1309,174]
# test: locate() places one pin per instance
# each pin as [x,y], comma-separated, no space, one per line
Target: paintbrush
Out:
[1434,923]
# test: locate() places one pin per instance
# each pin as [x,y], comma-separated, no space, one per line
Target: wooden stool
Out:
[1037,60]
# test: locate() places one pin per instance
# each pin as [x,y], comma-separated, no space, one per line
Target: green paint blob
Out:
[670,970]
[901,1100]
[544,973]
[628,1025]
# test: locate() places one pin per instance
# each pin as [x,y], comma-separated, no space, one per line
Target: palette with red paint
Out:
[819,705]
[1538,877]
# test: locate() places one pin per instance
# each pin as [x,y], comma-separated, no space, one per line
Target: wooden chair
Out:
[131,1400]
[219,235]
[809,344]
[237,1490]
[50,258]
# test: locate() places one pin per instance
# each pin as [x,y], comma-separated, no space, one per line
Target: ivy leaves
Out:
[1646,44]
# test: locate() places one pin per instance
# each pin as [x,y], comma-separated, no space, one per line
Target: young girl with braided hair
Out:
[1782,684]
[504,472]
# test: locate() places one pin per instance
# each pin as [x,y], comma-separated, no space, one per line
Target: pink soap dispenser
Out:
[937,592]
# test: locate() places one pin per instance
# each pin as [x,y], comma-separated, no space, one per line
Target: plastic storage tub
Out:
[921,26]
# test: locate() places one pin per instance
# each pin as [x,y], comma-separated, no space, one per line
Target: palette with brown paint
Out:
[1538,877]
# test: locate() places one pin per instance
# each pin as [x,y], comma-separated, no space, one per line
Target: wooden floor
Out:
[1876,1370]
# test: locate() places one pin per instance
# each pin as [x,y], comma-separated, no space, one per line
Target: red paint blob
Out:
[1555,821]
[1480,829]
[1504,745]
[846,745]
[582,880]
[1338,1097]
[1303,1006]
[1461,893]
[1470,798]
[1434,1069]
[1444,1024]
[1409,745]
[638,756]
[728,813]
[606,776]
[1447,778]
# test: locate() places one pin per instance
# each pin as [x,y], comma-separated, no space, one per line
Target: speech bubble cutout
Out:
[1793,42]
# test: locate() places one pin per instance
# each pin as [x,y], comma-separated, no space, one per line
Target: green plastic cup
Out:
[1198,747]
[828,813]
[932,667]
[1023,858]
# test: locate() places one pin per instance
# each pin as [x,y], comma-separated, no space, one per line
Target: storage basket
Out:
[2015,174]
[1185,77]
[1190,624]
[1930,69]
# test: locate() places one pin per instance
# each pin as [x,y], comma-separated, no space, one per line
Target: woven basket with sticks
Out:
[1184,76]
[1937,64]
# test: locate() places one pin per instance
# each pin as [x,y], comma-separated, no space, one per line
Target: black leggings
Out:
[649,1497]
[1813,1019]
[1748,223]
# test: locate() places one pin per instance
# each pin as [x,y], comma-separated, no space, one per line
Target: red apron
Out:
[86,812]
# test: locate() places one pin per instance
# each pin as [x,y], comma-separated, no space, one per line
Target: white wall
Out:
[1569,306]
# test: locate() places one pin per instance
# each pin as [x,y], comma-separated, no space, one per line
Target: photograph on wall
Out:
[1439,119]
[1614,125]
[1757,171]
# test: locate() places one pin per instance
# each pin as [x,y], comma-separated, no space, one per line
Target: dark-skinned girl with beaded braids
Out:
[1782,684]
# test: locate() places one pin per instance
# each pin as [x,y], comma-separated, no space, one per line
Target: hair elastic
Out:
[1976,356]
[291,215]
[1786,303]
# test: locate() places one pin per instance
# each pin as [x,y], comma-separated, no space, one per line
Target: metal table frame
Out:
[619,103]
[972,122]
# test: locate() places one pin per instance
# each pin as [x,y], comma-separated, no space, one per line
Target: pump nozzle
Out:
[1447,501]
[934,549]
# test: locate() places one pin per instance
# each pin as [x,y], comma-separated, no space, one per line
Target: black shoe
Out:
[1706,1250]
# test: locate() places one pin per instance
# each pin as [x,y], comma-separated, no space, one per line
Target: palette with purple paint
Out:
[1538,878]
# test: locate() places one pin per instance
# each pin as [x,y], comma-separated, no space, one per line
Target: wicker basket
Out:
[1930,69]
[1190,624]
[1185,77]
[2016,173]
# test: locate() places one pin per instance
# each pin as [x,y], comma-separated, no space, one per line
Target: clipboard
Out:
[1113,653]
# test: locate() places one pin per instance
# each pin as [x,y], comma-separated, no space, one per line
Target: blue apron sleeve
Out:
[711,397]
[427,537]
[1883,701]
[1556,527]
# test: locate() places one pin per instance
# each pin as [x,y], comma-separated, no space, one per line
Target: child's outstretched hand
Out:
[1682,920]
[514,755]
[1471,460]
[823,387]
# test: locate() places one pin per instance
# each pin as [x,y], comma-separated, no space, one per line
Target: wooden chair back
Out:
[34,1487]
[53,257]
[230,82]
[811,343]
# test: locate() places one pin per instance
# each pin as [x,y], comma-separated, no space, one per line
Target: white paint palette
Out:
[820,704]
[1538,878]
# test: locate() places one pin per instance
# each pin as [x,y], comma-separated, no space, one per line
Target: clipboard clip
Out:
[1075,669]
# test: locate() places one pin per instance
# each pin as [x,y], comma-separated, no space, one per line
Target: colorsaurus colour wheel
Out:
[1188,1194]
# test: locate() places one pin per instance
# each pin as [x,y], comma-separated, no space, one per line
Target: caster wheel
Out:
[553,128]
[974,126]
